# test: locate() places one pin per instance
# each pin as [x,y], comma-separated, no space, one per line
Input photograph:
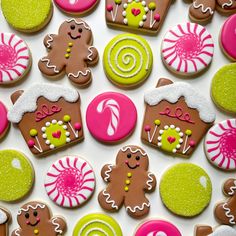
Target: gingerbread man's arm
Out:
[17,232]
[230,187]
[106,172]
[151,182]
[92,57]
[48,41]
[203,231]
[59,225]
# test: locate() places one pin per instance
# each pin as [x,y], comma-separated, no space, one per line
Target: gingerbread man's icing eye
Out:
[35,213]
[80,30]
[27,215]
[137,158]
[129,155]
[72,27]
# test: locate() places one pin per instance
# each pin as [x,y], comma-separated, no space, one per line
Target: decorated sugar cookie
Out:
[223,88]
[111,117]
[186,189]
[97,224]
[157,228]
[4,123]
[176,118]
[34,218]
[128,181]
[71,51]
[128,60]
[70,182]
[228,37]
[26,15]
[225,212]
[139,15]
[220,145]
[16,174]
[4,221]
[48,117]
[76,6]
[15,58]
[222,230]
[187,49]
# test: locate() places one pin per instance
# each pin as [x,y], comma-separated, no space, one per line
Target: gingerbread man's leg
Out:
[111,200]
[203,231]
[226,6]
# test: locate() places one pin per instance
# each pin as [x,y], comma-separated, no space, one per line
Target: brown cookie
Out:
[223,230]
[34,218]
[176,118]
[128,181]
[225,212]
[137,15]
[70,52]
[4,221]
[226,7]
[48,117]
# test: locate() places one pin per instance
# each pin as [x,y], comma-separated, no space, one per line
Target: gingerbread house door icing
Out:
[176,117]
[147,16]
[48,117]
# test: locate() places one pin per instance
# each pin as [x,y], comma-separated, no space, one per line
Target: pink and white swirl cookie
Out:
[111,117]
[70,182]
[4,123]
[228,37]
[157,228]
[15,58]
[76,6]
[187,49]
[220,145]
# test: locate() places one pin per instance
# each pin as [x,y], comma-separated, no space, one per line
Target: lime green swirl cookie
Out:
[97,224]
[223,88]
[186,189]
[16,175]
[128,60]
[27,15]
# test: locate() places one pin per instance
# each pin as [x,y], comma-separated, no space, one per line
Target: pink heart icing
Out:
[135,11]
[56,134]
[171,139]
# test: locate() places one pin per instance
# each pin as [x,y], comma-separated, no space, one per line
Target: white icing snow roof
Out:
[27,102]
[173,92]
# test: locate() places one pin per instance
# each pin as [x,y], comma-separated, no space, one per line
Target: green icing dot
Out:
[223,88]
[16,175]
[97,224]
[186,189]
[27,15]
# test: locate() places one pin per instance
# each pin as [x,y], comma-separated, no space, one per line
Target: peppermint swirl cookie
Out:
[127,60]
[187,49]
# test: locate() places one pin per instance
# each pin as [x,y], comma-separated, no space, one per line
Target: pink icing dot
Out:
[77,126]
[31,143]
[3,118]
[147,128]
[109,8]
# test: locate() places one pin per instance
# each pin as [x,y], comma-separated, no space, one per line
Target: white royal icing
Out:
[49,41]
[50,65]
[39,205]
[109,200]
[107,173]
[150,180]
[138,208]
[204,10]
[57,226]
[79,73]
[227,4]
[3,217]
[228,214]
[79,23]
[224,230]
[124,149]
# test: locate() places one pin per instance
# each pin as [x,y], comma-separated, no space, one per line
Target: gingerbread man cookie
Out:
[223,230]
[4,220]
[71,51]
[35,218]
[225,212]
[127,182]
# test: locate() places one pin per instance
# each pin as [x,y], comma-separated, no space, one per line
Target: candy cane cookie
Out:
[187,49]
[15,58]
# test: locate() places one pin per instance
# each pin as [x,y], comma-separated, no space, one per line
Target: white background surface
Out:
[98,154]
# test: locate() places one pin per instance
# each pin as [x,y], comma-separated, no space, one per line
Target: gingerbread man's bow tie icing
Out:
[202,10]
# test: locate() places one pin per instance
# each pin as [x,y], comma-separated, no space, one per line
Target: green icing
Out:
[97,224]
[186,189]
[223,88]
[26,14]
[128,59]
[16,175]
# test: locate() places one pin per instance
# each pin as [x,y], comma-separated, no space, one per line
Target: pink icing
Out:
[76,6]
[111,117]
[157,228]
[228,36]
[3,119]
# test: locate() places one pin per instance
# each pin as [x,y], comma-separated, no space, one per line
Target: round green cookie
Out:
[97,224]
[223,88]
[127,60]
[27,15]
[16,175]
[186,189]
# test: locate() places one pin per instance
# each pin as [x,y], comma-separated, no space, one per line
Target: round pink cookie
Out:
[111,117]
[15,59]
[220,145]
[228,37]
[4,123]
[70,182]
[157,228]
[187,49]
[76,6]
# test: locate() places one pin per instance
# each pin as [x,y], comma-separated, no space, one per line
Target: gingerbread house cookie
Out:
[145,16]
[176,117]
[48,117]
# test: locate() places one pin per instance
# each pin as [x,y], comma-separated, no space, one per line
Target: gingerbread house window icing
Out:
[147,16]
[48,117]
[176,117]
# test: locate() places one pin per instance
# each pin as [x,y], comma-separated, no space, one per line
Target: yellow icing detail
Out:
[126,189]
[129,175]
[67,55]
[70,44]
[68,50]
[127,182]
[36,231]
